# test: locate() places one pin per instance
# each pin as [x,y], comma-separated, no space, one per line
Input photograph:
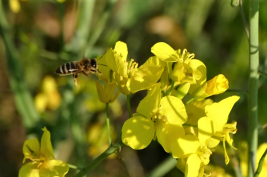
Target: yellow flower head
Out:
[196,152]
[49,96]
[42,158]
[218,114]
[156,116]
[185,69]
[128,77]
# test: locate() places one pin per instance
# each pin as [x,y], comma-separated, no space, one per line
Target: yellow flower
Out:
[49,96]
[195,153]
[128,77]
[156,116]
[186,69]
[219,113]
[215,86]
[106,93]
[42,159]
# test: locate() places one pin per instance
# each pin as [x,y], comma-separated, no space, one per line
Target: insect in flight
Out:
[85,66]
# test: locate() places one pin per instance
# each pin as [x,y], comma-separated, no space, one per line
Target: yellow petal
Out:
[164,52]
[54,168]
[120,54]
[199,73]
[174,110]
[110,59]
[146,75]
[29,170]
[260,152]
[185,146]
[31,147]
[219,112]
[206,129]
[101,92]
[196,110]
[183,90]
[212,143]
[193,166]
[217,85]
[138,132]
[178,73]
[168,133]
[150,104]
[46,146]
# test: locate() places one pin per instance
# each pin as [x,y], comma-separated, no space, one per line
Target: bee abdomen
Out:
[67,68]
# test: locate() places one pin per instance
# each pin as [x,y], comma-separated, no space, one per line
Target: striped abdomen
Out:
[68,68]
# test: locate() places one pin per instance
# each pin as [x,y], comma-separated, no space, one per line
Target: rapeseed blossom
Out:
[41,155]
[156,117]
[126,74]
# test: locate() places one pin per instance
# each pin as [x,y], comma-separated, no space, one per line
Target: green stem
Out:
[129,106]
[108,123]
[241,10]
[262,73]
[99,159]
[172,85]
[253,84]
[189,101]
[237,90]
[163,168]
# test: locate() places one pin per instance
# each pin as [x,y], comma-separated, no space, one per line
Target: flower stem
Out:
[172,85]
[253,84]
[108,124]
[189,101]
[189,125]
[99,159]
[129,106]
[262,73]
[241,10]
[163,168]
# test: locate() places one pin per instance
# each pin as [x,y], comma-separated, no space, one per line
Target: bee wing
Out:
[73,70]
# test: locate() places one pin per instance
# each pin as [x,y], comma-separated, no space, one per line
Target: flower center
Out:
[203,152]
[132,67]
[159,116]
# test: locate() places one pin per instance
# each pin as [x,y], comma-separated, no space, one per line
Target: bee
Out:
[85,66]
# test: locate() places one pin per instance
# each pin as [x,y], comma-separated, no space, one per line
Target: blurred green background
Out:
[37,36]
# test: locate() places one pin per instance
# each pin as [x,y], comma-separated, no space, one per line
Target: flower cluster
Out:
[176,110]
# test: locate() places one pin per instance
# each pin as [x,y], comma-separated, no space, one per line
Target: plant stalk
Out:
[99,159]
[253,84]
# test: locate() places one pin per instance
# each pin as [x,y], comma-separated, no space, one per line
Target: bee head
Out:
[94,63]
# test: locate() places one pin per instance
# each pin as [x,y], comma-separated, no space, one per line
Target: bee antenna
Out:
[102,64]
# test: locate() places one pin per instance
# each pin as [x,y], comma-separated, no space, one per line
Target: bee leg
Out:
[86,74]
[75,78]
